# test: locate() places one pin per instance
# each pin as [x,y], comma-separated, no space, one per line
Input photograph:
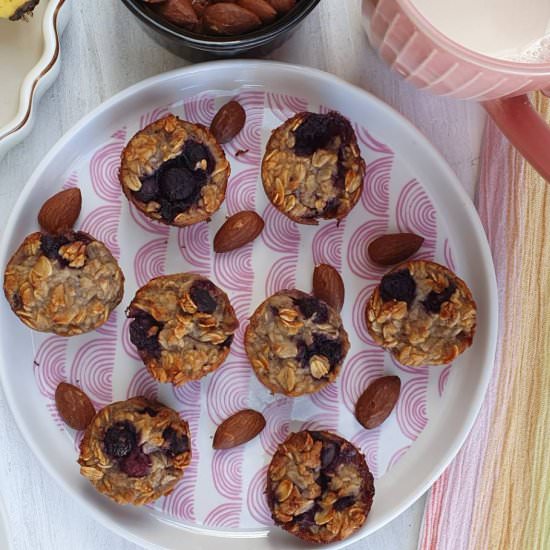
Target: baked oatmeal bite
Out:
[135,451]
[422,313]
[66,284]
[312,168]
[182,326]
[319,487]
[175,172]
[296,343]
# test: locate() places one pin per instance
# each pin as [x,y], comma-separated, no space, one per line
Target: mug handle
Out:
[525,129]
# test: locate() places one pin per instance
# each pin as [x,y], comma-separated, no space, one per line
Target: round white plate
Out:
[408,186]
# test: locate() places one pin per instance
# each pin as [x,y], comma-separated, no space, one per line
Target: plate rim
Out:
[39,78]
[467,207]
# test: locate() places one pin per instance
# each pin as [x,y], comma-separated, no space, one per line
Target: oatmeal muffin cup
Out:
[135,451]
[312,167]
[66,284]
[423,313]
[319,487]
[296,343]
[175,172]
[182,327]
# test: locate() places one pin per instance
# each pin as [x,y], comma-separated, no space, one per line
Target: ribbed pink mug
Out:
[418,51]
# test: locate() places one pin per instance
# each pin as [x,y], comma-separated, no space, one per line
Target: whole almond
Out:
[394,248]
[377,401]
[229,19]
[74,406]
[238,429]
[60,212]
[228,121]
[282,6]
[328,286]
[179,12]
[262,8]
[238,230]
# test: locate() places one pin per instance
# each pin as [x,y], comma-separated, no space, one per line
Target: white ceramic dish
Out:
[29,63]
[408,186]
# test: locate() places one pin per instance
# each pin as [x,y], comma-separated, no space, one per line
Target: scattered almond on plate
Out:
[377,401]
[328,286]
[238,230]
[74,406]
[238,429]
[394,248]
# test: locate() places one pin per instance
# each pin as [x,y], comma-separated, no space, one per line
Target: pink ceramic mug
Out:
[432,61]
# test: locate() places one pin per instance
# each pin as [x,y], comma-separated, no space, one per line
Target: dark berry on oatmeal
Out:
[435,300]
[120,439]
[144,331]
[398,285]
[201,295]
[317,131]
[136,464]
[311,306]
[177,443]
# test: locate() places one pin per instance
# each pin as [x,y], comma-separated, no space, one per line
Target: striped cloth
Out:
[496,493]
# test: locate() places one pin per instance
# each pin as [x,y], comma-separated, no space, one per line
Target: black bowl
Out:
[182,41]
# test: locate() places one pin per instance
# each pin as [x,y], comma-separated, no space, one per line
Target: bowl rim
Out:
[40,77]
[257,37]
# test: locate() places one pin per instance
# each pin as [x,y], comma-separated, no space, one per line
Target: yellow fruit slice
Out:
[16,9]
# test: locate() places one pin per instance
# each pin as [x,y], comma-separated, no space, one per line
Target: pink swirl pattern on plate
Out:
[376,191]
[284,106]
[411,407]
[358,257]
[102,224]
[421,372]
[152,116]
[150,260]
[104,167]
[233,269]
[282,275]
[328,399]
[50,364]
[448,255]
[227,474]
[221,403]
[92,370]
[127,345]
[368,442]
[147,223]
[224,515]
[71,181]
[318,422]
[249,139]
[277,415]
[143,384]
[256,501]
[195,247]
[358,372]
[443,378]
[366,139]
[415,214]
[200,109]
[327,244]
[397,456]
[241,191]
[52,409]
[181,502]
[110,327]
[280,233]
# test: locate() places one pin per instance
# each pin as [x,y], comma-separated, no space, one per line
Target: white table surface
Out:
[104,50]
